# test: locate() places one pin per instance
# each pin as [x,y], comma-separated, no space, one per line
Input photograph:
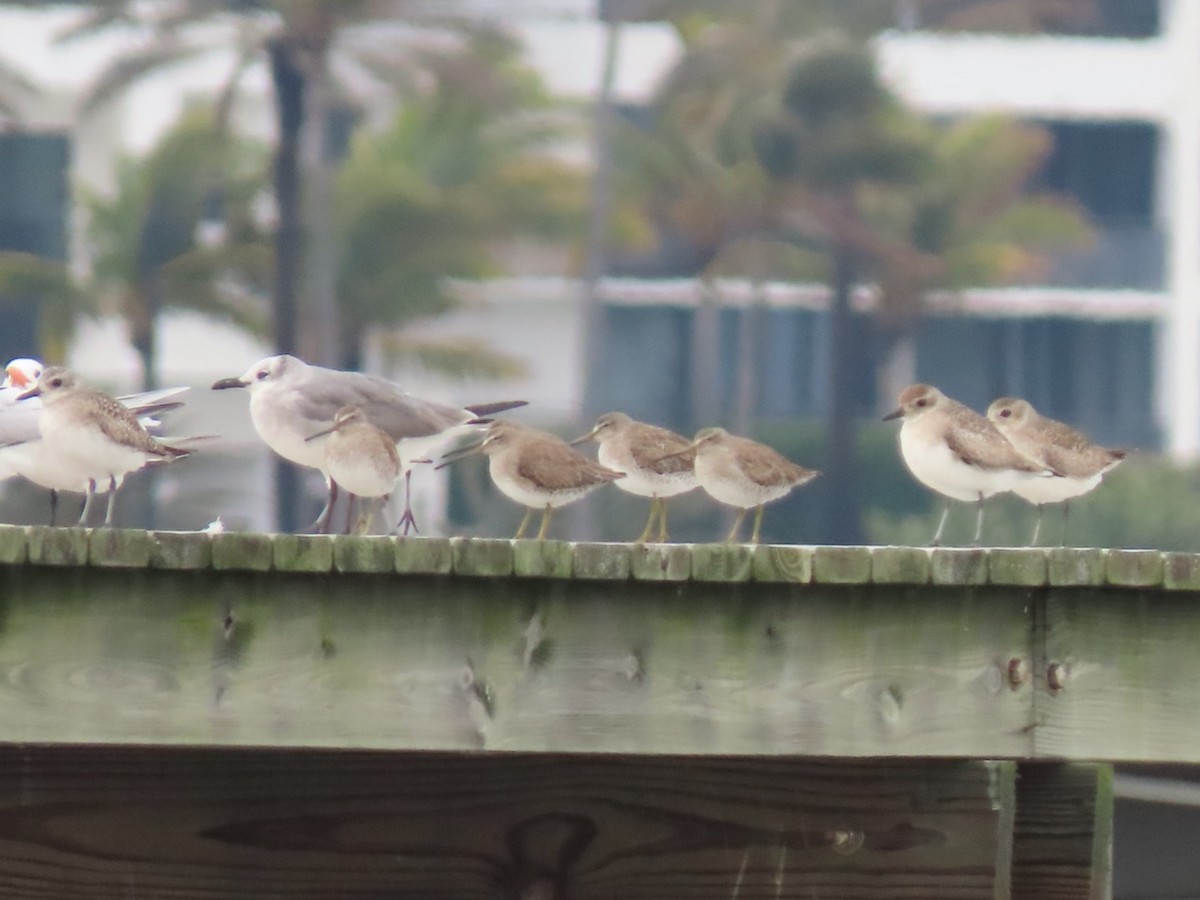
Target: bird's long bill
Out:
[459,453]
[688,449]
[583,438]
[312,437]
[894,414]
[226,383]
[34,391]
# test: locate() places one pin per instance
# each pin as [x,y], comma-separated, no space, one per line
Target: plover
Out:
[536,469]
[95,433]
[958,453]
[657,463]
[361,459]
[744,474]
[290,401]
[24,454]
[1055,445]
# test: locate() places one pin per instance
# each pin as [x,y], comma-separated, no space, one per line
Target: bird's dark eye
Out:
[56,382]
[922,402]
[1005,413]
[262,373]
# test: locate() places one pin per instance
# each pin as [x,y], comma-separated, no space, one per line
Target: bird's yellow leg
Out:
[524,523]
[737,526]
[662,520]
[758,514]
[546,513]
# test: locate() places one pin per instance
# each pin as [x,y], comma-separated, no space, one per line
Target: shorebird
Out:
[536,469]
[95,433]
[1055,445]
[744,474]
[24,454]
[290,401]
[958,453]
[657,463]
[361,459]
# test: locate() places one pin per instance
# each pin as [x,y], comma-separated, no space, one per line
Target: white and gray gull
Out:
[291,401]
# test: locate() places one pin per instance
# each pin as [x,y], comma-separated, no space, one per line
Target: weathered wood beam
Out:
[1062,843]
[211,823]
[135,637]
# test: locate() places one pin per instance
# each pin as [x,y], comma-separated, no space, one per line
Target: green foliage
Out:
[143,237]
[466,166]
[29,279]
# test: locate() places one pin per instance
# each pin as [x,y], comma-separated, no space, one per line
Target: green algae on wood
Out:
[244,550]
[900,565]
[607,562]
[364,553]
[660,562]
[303,553]
[783,562]
[722,562]
[1133,568]
[542,559]
[57,546]
[1074,566]
[958,566]
[181,550]
[1024,567]
[842,565]
[120,547]
[441,556]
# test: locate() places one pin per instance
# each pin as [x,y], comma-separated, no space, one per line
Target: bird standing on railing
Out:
[744,474]
[1055,445]
[536,469]
[98,438]
[290,401]
[657,463]
[953,450]
[362,460]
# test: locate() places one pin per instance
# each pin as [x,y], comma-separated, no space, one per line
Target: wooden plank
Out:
[434,662]
[1119,676]
[183,823]
[1062,842]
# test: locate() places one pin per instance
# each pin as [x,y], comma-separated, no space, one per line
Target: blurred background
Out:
[769,215]
[764,214]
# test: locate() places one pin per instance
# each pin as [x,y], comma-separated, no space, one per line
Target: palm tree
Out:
[841,135]
[148,248]
[467,166]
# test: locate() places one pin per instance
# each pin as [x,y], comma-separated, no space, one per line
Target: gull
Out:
[24,454]
[1055,445]
[657,463]
[95,434]
[536,469]
[744,474]
[290,401]
[361,459]
[958,453]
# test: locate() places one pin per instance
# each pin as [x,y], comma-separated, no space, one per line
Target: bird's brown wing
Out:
[659,450]
[978,443]
[765,466]
[556,466]
[115,421]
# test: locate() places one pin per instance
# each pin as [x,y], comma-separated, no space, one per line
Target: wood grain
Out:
[1062,842]
[1128,689]
[183,823]
[436,662]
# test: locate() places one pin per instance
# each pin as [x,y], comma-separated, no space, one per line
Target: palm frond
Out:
[132,67]
[462,358]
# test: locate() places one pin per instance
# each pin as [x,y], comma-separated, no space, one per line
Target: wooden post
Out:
[1062,843]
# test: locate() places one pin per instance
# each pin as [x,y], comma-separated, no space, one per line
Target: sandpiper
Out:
[99,436]
[1055,445]
[744,474]
[536,469]
[290,401]
[657,463]
[361,459]
[957,452]
[22,451]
